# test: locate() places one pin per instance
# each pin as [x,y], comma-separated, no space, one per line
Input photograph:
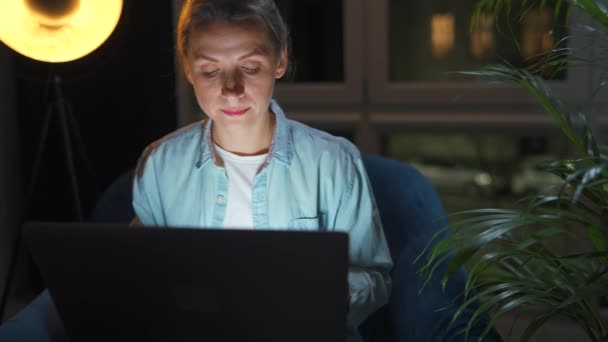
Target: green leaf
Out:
[598,239]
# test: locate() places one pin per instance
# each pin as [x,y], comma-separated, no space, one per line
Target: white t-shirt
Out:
[240,172]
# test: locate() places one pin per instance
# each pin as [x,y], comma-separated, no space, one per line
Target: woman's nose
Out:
[233,84]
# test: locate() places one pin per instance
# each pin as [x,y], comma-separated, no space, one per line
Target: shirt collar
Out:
[281,148]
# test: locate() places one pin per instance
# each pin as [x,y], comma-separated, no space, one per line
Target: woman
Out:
[249,167]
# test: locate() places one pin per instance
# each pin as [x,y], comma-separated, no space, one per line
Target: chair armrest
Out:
[37,322]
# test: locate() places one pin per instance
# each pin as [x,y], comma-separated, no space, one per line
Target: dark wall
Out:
[10,180]
[122,98]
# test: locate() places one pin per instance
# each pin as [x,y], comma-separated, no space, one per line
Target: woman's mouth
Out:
[235,111]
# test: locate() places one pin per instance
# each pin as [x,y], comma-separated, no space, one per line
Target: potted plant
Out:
[514,265]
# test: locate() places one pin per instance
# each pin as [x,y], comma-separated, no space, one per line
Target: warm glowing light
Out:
[484,179]
[482,37]
[57,30]
[537,36]
[442,34]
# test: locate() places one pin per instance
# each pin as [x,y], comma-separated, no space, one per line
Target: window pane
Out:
[472,171]
[317,39]
[429,40]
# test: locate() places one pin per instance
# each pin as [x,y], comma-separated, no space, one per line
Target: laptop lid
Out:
[119,283]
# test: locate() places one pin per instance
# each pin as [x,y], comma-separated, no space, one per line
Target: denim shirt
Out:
[310,181]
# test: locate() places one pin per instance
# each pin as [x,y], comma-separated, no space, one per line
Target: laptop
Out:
[118,283]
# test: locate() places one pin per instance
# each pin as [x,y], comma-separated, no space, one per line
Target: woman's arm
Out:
[370,261]
[146,195]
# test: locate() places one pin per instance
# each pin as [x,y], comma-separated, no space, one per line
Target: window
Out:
[327,50]
[421,45]
[318,50]
[479,171]
[445,42]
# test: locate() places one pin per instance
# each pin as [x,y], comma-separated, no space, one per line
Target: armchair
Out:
[411,213]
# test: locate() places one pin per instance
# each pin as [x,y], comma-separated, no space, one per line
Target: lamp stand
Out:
[60,109]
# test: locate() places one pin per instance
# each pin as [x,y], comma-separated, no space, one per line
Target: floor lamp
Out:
[54,31]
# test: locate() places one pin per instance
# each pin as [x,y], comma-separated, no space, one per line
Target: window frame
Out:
[457,94]
[348,92]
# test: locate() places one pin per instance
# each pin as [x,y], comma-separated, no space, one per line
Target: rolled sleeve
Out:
[369,256]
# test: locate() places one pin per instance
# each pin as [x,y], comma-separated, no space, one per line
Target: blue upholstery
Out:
[37,322]
[114,205]
[411,213]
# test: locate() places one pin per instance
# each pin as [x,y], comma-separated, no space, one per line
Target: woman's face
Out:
[233,69]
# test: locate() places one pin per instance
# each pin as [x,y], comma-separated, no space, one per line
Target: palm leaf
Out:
[563,272]
[594,8]
[561,113]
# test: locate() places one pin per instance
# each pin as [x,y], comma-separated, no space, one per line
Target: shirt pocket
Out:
[306,223]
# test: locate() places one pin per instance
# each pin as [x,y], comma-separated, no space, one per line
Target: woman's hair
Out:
[195,14]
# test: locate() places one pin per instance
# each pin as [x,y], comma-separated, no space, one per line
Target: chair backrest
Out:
[412,213]
[409,206]
[115,203]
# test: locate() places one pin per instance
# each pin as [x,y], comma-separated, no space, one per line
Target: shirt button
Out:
[221,199]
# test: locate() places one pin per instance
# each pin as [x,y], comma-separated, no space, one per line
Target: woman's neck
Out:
[251,141]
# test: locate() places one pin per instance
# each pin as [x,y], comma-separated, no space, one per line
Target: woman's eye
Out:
[210,74]
[251,71]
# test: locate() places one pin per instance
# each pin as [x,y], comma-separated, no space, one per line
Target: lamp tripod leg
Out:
[60,105]
[79,143]
[10,274]
[67,146]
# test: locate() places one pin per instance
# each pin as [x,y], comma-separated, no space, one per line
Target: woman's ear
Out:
[187,72]
[282,63]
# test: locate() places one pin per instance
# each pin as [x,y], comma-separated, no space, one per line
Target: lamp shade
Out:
[57,30]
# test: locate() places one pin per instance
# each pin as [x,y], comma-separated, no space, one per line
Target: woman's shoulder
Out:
[177,144]
[188,134]
[309,139]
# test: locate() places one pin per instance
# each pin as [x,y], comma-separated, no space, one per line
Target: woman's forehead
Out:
[225,38]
